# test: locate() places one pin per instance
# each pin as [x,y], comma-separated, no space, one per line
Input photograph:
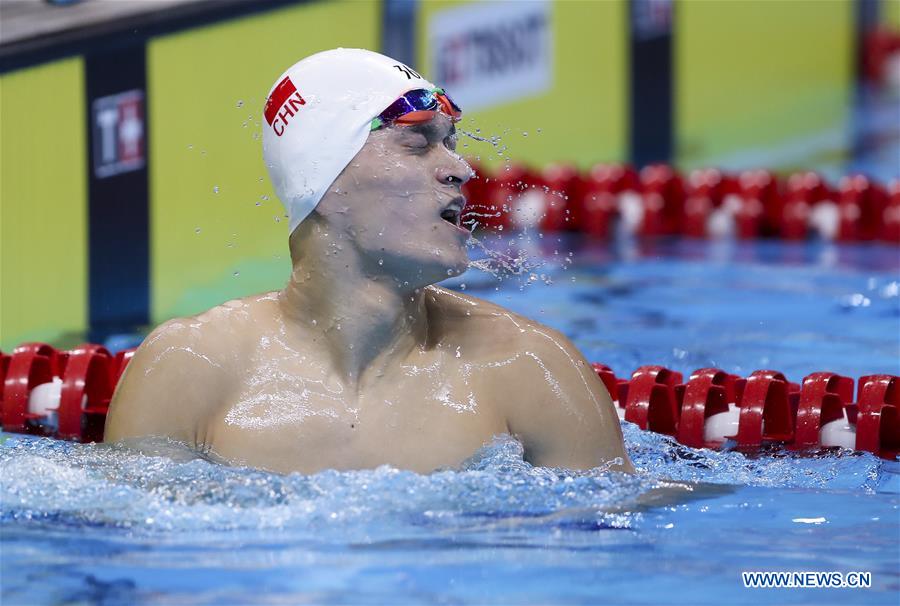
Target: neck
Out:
[363,319]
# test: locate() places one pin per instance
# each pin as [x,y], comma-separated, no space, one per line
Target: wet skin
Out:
[360,361]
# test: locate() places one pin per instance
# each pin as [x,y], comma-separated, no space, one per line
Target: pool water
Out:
[89,524]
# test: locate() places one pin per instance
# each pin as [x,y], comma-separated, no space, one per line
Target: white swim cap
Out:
[319,115]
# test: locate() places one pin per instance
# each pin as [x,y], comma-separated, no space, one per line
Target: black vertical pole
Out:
[118,224]
[651,104]
[398,30]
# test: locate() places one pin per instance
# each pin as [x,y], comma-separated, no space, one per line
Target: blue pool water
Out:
[89,524]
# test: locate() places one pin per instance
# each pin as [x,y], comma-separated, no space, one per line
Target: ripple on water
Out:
[48,480]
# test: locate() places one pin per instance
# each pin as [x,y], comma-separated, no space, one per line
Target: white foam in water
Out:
[45,479]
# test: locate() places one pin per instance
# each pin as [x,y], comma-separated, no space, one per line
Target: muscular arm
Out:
[170,387]
[562,412]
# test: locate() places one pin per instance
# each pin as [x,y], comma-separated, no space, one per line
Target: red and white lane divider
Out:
[705,203]
[881,57]
[66,394]
[62,394]
[713,407]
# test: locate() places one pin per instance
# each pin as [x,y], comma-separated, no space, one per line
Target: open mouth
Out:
[453,213]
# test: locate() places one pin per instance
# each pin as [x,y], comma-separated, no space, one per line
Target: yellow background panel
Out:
[751,74]
[217,230]
[583,117]
[43,205]
[890,13]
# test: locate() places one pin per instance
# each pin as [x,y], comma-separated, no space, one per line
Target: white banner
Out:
[488,53]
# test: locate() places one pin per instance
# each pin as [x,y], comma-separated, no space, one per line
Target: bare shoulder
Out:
[551,398]
[204,339]
[490,328]
[529,357]
[181,371]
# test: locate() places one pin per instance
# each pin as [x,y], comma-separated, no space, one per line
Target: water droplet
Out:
[525,134]
[462,286]
[236,274]
[197,230]
[240,103]
[449,272]
[215,189]
[381,261]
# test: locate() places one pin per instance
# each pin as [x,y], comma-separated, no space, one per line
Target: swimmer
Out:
[361,360]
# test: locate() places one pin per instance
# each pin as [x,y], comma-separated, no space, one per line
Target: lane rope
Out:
[66,395]
[660,201]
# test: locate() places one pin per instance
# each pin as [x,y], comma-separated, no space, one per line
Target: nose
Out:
[455,172]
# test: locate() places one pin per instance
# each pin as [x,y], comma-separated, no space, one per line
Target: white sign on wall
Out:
[488,53]
[118,123]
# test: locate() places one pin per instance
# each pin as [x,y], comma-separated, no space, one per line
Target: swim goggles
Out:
[418,105]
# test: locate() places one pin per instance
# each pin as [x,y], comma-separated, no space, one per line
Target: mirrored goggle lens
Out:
[456,110]
[413,101]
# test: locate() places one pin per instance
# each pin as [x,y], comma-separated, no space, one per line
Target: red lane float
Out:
[766,408]
[651,401]
[605,191]
[87,387]
[707,393]
[822,399]
[658,201]
[30,365]
[663,194]
[862,204]
[66,394]
[890,216]
[61,394]
[767,413]
[877,423]
[760,204]
[881,52]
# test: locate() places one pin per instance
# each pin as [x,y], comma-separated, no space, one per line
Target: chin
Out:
[456,261]
[461,265]
[451,262]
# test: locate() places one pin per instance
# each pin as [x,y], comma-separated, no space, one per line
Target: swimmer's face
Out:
[399,202]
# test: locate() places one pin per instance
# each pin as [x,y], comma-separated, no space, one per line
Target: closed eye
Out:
[423,136]
[415,139]
[450,142]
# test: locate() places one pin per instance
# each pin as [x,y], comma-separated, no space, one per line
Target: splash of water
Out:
[50,481]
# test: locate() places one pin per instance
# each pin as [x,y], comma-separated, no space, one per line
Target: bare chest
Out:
[421,416]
